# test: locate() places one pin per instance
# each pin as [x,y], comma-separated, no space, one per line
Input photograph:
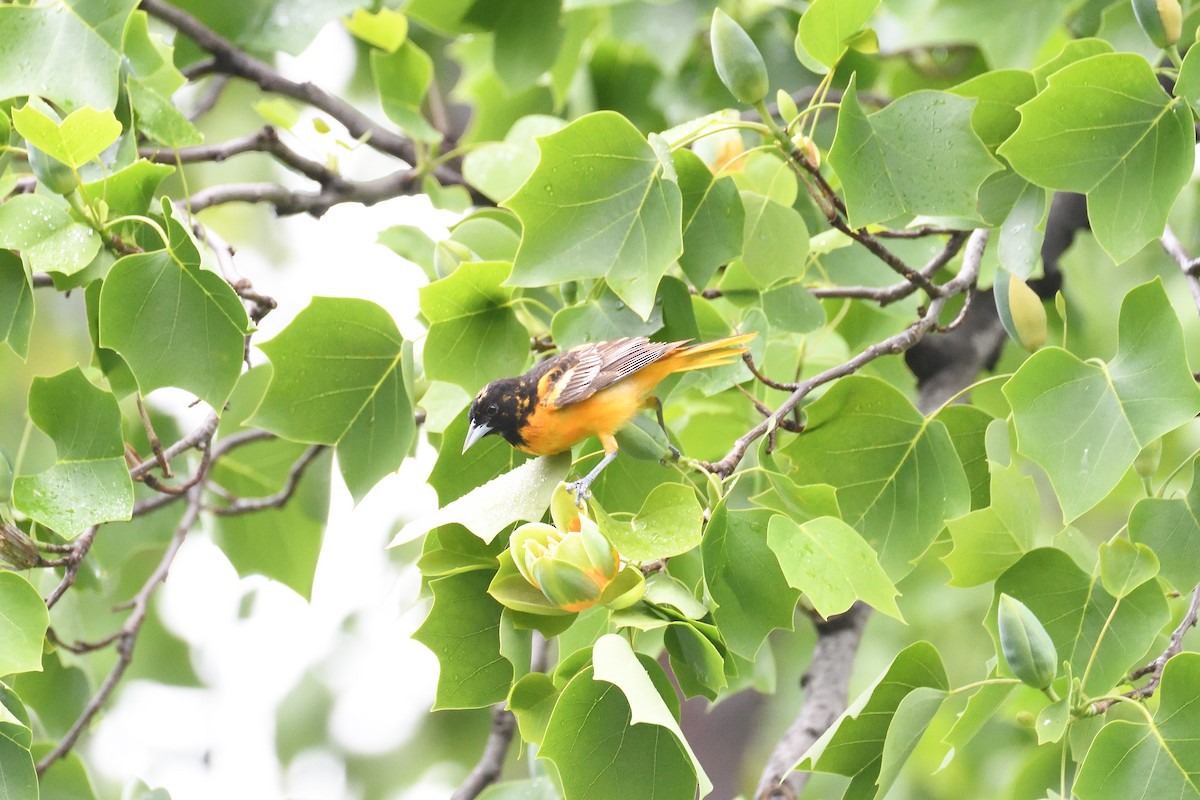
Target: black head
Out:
[497,409]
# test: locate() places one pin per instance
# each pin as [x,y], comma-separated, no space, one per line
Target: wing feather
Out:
[590,368]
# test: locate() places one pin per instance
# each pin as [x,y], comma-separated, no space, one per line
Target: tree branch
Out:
[127,636]
[1190,266]
[826,686]
[265,140]
[276,500]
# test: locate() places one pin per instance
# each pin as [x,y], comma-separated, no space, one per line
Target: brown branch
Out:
[79,549]
[826,688]
[278,499]
[1190,266]
[196,438]
[887,295]
[127,636]
[211,96]
[265,140]
[288,202]
[1155,668]
[491,762]
[895,344]
[41,280]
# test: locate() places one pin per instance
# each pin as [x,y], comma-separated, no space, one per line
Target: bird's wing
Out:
[588,368]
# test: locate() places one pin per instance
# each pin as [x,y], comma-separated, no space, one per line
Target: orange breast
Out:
[554,430]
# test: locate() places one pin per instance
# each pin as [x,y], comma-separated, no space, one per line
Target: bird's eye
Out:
[493,408]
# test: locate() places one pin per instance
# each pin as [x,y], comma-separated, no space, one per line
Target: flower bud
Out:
[1021,311]
[1161,20]
[16,548]
[738,62]
[1026,645]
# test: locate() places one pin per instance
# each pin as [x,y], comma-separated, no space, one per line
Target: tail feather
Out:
[711,354]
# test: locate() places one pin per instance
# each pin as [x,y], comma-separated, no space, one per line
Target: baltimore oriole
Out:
[589,390]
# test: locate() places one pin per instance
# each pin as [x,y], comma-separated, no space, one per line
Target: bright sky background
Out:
[219,741]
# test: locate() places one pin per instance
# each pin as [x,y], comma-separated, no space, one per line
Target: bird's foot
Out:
[580,489]
[676,454]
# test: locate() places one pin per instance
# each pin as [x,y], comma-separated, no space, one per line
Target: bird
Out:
[593,389]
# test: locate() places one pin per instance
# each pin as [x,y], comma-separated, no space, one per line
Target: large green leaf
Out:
[527,36]
[403,78]
[1084,422]
[264,26]
[16,303]
[463,631]
[1144,759]
[611,722]
[474,334]
[1105,127]
[23,623]
[499,168]
[775,240]
[90,482]
[47,236]
[919,155]
[968,426]
[601,319]
[599,205]
[999,94]
[744,579]
[668,524]
[174,324]
[990,540]
[713,218]
[897,474]
[1087,625]
[129,190]
[69,53]
[20,781]
[860,742]
[338,380]
[1172,528]
[828,24]
[78,139]
[831,563]
[282,543]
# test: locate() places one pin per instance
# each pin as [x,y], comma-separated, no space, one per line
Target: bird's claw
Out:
[580,489]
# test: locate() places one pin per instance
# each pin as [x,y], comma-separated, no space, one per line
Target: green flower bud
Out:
[1021,311]
[1161,20]
[738,62]
[1026,645]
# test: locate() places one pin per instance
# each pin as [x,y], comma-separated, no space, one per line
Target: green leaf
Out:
[1086,624]
[829,561]
[66,779]
[775,240]
[897,475]
[1124,566]
[403,78]
[886,160]
[528,789]
[1171,527]
[598,205]
[982,707]
[1188,84]
[667,525]
[826,27]
[968,428]
[855,745]
[527,37]
[151,58]
[57,693]
[1020,245]
[409,241]
[16,764]
[1085,423]
[385,28]
[999,93]
[695,661]
[474,334]
[615,662]
[16,303]
[600,320]
[90,482]
[81,137]
[499,168]
[744,579]
[790,307]
[23,624]
[282,544]
[713,218]
[1145,759]
[47,236]
[129,190]
[990,540]
[174,324]
[463,631]
[532,700]
[1106,128]
[341,385]
[523,494]
[912,718]
[85,38]
[159,118]
[265,26]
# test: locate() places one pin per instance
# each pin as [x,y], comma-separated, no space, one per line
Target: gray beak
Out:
[474,434]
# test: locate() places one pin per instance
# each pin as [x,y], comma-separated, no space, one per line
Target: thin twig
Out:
[895,344]
[211,96]
[127,636]
[201,434]
[155,445]
[886,295]
[248,505]
[265,140]
[491,762]
[1190,266]
[79,549]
